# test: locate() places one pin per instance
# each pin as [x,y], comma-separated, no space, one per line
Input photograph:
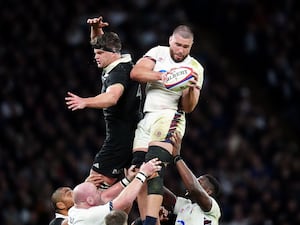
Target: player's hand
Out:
[74,102]
[176,140]
[97,22]
[163,75]
[131,172]
[151,167]
[193,83]
[163,214]
[95,178]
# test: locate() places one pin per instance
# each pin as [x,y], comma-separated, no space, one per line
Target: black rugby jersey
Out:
[128,106]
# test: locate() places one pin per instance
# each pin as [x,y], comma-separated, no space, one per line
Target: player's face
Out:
[67,197]
[103,58]
[180,47]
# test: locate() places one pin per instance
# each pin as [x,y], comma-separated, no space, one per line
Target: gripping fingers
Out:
[156,164]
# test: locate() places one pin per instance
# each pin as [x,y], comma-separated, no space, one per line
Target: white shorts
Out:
[158,126]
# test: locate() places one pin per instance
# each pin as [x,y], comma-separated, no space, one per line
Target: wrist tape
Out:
[141,176]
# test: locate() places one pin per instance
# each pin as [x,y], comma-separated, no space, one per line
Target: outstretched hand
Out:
[97,22]
[74,102]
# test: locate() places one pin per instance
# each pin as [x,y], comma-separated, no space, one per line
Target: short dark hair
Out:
[184,31]
[109,41]
[214,183]
[116,217]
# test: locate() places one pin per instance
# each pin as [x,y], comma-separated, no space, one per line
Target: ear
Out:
[209,191]
[60,205]
[170,39]
[90,200]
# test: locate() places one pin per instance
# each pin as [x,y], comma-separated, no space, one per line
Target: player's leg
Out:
[161,147]
[163,151]
[138,159]
[140,148]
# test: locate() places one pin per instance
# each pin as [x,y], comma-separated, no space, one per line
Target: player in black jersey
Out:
[120,99]
[62,201]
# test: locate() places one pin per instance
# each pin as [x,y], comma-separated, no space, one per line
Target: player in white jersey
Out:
[200,207]
[164,111]
[89,206]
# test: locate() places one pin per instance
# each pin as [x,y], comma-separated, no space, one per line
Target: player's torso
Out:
[94,215]
[128,104]
[193,215]
[158,97]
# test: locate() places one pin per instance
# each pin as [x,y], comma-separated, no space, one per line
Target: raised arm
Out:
[96,25]
[191,183]
[113,191]
[129,194]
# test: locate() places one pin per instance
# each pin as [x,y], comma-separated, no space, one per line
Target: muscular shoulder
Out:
[215,211]
[157,52]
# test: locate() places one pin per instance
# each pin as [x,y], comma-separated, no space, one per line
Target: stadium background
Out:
[245,129]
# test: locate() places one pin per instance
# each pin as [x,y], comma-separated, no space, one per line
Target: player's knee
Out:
[155,186]
[138,158]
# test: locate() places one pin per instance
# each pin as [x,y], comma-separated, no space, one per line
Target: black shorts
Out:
[116,151]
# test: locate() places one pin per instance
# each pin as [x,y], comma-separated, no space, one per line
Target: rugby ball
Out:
[177,79]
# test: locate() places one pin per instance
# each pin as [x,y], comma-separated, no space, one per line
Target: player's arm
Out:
[129,194]
[169,199]
[143,72]
[191,183]
[190,96]
[96,25]
[103,100]
[113,191]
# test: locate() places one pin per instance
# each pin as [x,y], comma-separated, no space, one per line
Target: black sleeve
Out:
[120,74]
[56,221]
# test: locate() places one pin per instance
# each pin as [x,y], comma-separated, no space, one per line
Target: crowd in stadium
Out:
[244,130]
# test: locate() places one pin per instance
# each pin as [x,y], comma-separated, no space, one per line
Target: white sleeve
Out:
[215,209]
[152,53]
[180,202]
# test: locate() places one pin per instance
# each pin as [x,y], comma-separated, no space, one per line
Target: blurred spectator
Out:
[244,130]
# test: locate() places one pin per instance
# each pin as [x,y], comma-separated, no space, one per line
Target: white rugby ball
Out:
[177,79]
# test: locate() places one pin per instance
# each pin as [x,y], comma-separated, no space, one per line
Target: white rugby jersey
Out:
[159,97]
[91,216]
[189,213]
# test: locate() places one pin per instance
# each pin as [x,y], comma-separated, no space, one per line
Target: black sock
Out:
[150,220]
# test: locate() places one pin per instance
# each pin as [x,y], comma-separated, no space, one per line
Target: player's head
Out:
[116,217]
[181,42]
[209,184]
[109,42]
[86,194]
[107,48]
[62,200]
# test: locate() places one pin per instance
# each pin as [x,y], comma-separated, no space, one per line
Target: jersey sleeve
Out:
[120,74]
[180,202]
[152,53]
[215,209]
